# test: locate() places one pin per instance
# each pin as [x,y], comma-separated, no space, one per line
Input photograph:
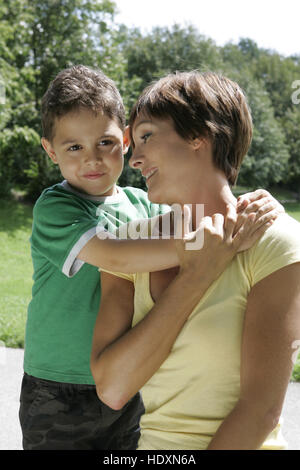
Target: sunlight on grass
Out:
[15,271]
[293,210]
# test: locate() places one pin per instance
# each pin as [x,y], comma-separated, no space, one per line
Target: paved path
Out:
[11,371]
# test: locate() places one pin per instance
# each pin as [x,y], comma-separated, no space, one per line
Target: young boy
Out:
[83,122]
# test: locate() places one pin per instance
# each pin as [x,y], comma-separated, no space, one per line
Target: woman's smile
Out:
[149,172]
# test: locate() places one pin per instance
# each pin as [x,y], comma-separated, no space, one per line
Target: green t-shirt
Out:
[66,291]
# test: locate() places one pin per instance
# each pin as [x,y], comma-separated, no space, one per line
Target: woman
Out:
[217,377]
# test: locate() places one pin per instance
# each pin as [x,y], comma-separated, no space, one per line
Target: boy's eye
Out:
[74,148]
[145,137]
[105,142]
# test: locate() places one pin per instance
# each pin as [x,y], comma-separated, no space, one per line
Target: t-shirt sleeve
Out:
[61,228]
[164,209]
[145,227]
[279,247]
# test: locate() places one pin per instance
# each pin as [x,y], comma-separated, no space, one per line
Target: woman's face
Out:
[165,159]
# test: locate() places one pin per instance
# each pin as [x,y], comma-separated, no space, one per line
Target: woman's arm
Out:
[272,324]
[123,359]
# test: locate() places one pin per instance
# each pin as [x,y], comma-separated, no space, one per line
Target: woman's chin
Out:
[155,197]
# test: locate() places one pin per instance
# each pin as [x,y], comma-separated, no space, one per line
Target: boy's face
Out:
[89,150]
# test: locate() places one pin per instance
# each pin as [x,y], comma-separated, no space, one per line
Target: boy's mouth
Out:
[93,176]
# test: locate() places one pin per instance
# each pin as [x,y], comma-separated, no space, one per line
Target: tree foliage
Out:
[38,39]
[291,126]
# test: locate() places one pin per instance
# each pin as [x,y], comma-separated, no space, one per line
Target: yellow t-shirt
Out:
[198,385]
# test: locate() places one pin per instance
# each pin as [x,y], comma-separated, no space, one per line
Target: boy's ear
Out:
[126,139]
[49,149]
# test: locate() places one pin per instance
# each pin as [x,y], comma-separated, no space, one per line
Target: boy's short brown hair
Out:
[203,104]
[76,87]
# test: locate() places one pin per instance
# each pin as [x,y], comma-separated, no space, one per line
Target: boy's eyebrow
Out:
[68,142]
[73,141]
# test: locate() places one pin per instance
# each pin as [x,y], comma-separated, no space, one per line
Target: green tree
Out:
[278,74]
[37,40]
[267,160]
[166,50]
[291,126]
[25,143]
[152,55]
[114,63]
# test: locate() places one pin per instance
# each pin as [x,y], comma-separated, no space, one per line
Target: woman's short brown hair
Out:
[203,104]
[76,87]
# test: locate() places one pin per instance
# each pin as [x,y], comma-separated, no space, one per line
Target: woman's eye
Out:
[145,137]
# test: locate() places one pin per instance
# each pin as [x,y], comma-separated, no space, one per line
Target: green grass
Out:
[293,209]
[296,370]
[16,271]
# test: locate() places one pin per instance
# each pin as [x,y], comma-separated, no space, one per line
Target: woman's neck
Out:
[209,198]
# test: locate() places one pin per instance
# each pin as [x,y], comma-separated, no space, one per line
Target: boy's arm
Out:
[129,256]
[148,255]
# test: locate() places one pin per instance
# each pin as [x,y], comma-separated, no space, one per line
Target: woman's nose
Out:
[136,160]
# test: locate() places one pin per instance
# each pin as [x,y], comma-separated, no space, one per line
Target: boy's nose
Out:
[93,156]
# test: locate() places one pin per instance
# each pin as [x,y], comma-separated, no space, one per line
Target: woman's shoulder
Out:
[277,248]
[284,232]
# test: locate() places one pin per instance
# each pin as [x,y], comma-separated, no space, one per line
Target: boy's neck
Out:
[114,192]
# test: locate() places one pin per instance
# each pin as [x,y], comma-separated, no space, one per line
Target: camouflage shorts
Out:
[61,416]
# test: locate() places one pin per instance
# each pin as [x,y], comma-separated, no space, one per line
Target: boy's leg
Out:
[53,415]
[59,416]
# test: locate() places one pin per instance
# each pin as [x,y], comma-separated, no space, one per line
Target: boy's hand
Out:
[262,203]
[265,201]
[265,208]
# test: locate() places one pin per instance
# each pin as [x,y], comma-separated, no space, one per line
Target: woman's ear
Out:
[126,139]
[49,149]
[199,142]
